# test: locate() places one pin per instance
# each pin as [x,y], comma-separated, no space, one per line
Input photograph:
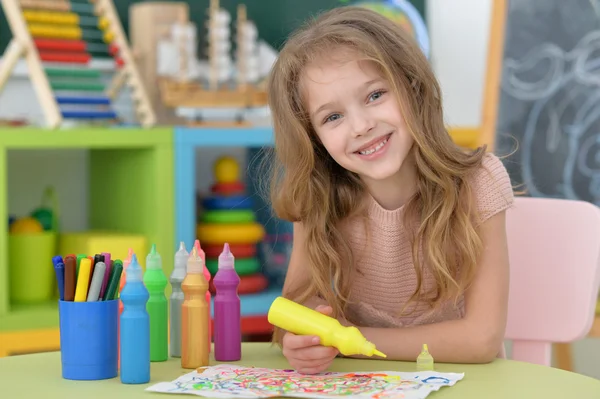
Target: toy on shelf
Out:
[186,82]
[58,39]
[32,241]
[227,217]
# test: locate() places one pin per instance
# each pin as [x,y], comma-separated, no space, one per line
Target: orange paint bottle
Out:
[194,315]
[126,263]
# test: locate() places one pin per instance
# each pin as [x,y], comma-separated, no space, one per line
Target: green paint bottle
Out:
[157,306]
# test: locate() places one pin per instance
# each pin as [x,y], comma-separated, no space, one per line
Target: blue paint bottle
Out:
[135,328]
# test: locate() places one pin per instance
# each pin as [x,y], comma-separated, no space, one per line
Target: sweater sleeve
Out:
[492,188]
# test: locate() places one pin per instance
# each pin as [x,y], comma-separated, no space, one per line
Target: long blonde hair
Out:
[309,186]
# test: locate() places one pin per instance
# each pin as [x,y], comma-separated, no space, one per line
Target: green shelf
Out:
[137,164]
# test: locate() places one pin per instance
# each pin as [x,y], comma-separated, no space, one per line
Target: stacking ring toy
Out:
[228,188]
[234,216]
[238,250]
[234,233]
[227,202]
[248,284]
[243,267]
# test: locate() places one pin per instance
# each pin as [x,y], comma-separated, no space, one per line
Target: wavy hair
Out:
[307,185]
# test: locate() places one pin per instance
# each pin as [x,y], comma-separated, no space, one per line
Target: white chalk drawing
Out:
[565,110]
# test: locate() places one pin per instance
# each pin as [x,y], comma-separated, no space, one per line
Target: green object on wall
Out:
[275,19]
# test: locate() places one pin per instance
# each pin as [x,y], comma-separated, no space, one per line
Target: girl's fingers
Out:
[314,353]
[311,367]
[326,310]
[293,341]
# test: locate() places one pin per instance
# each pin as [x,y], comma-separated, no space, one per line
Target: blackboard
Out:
[549,98]
[275,19]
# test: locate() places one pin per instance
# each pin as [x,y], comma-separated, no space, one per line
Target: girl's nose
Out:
[362,123]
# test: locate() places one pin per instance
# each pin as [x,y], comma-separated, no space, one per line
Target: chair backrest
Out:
[554,252]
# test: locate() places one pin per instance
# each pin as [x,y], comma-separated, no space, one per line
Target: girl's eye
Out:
[332,118]
[376,95]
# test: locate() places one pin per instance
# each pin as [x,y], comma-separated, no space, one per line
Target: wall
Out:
[459,34]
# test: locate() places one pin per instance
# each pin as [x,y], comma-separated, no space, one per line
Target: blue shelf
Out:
[187,140]
[254,304]
[258,136]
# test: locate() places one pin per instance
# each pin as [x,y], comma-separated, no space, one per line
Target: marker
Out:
[70,277]
[79,257]
[59,268]
[83,279]
[97,258]
[108,263]
[113,284]
[96,284]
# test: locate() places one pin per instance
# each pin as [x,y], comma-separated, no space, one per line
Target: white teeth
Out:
[372,150]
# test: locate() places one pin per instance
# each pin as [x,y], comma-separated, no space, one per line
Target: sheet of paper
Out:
[231,381]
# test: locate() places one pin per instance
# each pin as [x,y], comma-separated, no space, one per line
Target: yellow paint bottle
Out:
[424,360]
[301,320]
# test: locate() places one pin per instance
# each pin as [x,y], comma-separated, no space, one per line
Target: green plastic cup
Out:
[31,273]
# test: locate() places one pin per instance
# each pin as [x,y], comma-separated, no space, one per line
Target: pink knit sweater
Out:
[385,277]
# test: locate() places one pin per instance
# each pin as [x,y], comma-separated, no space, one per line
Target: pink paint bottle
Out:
[228,331]
[207,276]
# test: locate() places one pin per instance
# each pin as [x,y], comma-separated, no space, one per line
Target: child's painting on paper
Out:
[230,381]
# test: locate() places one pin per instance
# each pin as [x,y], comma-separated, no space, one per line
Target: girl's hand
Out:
[304,352]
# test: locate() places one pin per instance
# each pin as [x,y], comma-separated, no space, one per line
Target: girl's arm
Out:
[477,338]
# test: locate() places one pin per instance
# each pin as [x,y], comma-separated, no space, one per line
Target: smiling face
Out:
[355,114]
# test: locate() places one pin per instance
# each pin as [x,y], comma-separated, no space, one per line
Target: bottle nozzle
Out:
[134,271]
[182,246]
[378,353]
[226,259]
[195,263]
[127,260]
[153,260]
[199,249]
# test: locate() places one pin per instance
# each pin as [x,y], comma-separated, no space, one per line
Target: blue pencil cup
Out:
[89,339]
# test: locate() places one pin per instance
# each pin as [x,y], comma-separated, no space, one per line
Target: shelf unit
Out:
[137,164]
[187,140]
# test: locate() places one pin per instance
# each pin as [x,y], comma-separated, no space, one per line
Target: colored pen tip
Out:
[133,259]
[130,253]
[194,253]
[153,249]
[226,250]
[57,259]
[380,354]
[197,245]
[182,246]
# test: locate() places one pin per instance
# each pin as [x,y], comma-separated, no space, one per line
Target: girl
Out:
[397,231]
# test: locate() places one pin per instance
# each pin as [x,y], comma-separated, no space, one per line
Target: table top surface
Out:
[39,375]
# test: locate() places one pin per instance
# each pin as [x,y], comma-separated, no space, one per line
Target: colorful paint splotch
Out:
[231,381]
